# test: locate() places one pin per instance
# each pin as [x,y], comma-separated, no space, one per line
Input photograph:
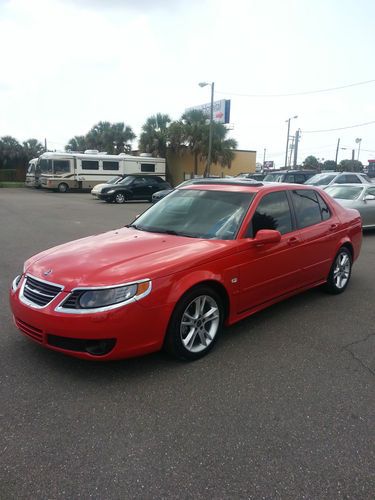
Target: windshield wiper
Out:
[171,232]
[139,228]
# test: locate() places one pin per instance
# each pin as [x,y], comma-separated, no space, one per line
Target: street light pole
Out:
[287,140]
[209,155]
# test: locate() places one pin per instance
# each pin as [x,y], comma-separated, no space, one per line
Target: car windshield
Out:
[127,180]
[274,177]
[344,192]
[114,180]
[197,213]
[321,179]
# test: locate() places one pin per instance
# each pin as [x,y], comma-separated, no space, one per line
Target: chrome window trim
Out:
[27,302]
[94,310]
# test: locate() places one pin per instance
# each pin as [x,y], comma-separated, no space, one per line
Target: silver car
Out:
[359,196]
[330,178]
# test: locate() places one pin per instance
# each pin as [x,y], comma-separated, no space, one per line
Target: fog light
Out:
[99,347]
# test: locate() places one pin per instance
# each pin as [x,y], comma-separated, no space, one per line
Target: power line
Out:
[339,128]
[306,92]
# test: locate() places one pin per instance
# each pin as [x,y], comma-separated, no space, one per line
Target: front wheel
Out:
[62,187]
[120,198]
[196,324]
[340,272]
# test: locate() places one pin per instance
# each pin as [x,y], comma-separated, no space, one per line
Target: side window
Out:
[307,207]
[326,214]
[138,181]
[147,167]
[61,166]
[110,165]
[289,178]
[371,191]
[272,212]
[300,178]
[90,165]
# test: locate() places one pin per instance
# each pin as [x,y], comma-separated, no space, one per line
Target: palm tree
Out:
[77,143]
[196,135]
[32,148]
[110,137]
[154,136]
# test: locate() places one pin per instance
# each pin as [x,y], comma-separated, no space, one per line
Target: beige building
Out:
[181,166]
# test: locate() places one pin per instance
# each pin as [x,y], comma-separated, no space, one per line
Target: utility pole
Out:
[291,147]
[353,153]
[45,144]
[264,156]
[337,151]
[287,139]
[296,148]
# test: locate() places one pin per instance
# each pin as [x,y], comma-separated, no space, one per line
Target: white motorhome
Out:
[30,173]
[64,171]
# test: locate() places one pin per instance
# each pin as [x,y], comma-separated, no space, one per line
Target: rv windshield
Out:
[31,169]
[45,166]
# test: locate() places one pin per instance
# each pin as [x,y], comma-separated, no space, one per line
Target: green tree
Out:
[113,138]
[77,143]
[311,162]
[350,166]
[32,148]
[329,165]
[154,137]
[11,152]
[195,134]
[222,147]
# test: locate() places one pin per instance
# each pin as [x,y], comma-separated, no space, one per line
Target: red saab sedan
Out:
[209,254]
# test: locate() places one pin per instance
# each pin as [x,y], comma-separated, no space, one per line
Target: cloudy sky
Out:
[66,64]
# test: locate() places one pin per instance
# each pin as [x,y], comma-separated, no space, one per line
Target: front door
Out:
[271,270]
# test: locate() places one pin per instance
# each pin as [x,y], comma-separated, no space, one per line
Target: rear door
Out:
[368,208]
[272,270]
[318,229]
[140,189]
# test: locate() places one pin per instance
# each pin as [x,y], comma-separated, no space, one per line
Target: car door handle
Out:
[293,241]
[332,227]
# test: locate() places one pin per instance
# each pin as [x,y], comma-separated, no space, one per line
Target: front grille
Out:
[31,331]
[72,301]
[38,292]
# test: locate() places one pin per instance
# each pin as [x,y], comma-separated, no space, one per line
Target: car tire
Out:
[340,272]
[119,198]
[195,324]
[62,187]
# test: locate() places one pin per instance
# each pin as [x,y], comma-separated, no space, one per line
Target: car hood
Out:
[122,255]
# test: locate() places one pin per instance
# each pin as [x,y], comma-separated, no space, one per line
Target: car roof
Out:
[241,184]
[353,184]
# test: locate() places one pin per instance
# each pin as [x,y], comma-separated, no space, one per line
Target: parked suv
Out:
[133,187]
[293,176]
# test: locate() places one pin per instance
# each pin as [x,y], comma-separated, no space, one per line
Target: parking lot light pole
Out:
[204,84]
[287,139]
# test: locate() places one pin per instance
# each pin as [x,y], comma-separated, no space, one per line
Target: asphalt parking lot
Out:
[284,406]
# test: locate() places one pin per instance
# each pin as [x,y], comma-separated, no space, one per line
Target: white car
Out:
[328,178]
[96,190]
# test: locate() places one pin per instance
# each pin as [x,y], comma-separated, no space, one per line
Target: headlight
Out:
[16,282]
[103,299]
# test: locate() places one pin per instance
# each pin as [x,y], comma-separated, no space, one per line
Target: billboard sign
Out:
[268,164]
[221,110]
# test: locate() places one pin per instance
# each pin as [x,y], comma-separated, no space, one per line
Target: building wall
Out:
[183,164]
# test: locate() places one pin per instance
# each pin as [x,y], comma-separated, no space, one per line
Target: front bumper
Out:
[120,333]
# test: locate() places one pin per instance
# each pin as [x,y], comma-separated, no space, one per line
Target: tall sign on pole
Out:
[221,110]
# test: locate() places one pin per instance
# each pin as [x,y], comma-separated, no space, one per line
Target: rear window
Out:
[344,192]
[309,208]
[90,165]
[110,165]
[147,167]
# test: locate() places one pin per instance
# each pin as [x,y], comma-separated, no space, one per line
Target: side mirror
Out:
[369,197]
[265,236]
